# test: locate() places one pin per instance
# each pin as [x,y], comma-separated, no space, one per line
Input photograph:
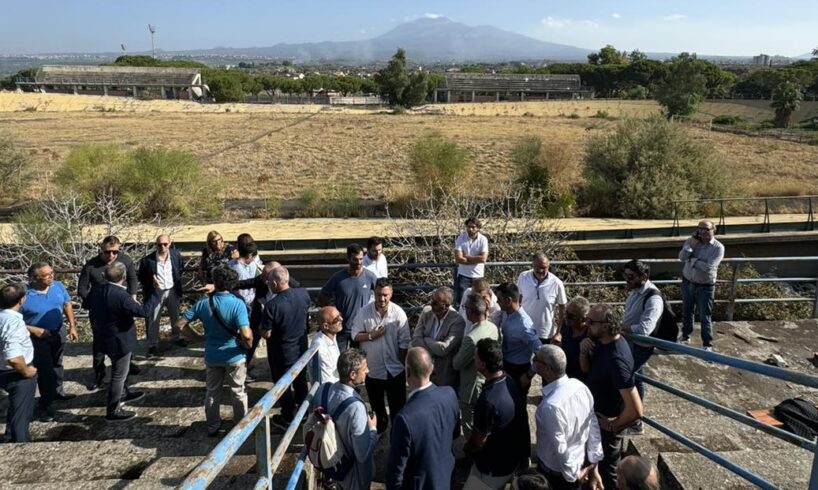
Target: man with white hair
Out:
[543,293]
[567,428]
[440,331]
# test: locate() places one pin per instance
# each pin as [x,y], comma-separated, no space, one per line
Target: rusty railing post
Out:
[731,307]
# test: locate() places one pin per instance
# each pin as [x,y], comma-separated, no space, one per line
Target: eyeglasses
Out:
[162,244]
[336,320]
[701,228]
[110,252]
[571,316]
[589,321]
[217,240]
[441,303]
[629,277]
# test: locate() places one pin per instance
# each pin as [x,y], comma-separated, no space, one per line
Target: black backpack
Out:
[666,327]
[799,416]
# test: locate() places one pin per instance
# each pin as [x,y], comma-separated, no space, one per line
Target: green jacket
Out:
[471,382]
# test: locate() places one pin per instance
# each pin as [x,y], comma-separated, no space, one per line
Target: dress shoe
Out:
[97,384]
[120,415]
[181,343]
[65,396]
[133,396]
[45,414]
[153,353]
[134,369]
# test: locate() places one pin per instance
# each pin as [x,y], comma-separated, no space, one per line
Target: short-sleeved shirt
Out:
[500,417]
[285,317]
[45,310]
[350,293]
[611,371]
[540,299]
[570,345]
[479,245]
[221,347]
[15,340]
[378,267]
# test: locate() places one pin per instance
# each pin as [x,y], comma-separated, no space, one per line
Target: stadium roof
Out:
[118,76]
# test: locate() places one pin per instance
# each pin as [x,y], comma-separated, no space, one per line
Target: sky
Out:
[715,27]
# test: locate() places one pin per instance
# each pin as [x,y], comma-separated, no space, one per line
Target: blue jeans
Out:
[640,358]
[460,286]
[20,405]
[702,297]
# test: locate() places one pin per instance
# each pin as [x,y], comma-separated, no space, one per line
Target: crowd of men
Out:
[465,369]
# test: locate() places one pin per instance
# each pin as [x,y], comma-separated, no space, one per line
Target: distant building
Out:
[484,87]
[162,83]
[762,60]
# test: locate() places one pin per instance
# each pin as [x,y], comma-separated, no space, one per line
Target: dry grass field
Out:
[277,151]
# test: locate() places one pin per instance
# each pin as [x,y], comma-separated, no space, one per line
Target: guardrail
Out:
[721,226]
[737,363]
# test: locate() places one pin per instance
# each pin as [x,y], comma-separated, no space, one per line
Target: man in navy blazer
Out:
[161,270]
[420,455]
[112,310]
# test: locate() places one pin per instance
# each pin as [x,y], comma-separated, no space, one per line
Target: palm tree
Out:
[786,100]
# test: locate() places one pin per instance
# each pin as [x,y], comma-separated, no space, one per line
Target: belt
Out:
[546,470]
[700,283]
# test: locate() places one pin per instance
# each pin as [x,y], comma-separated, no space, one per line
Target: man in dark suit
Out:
[112,311]
[420,454]
[161,271]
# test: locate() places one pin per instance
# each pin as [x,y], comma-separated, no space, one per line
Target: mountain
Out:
[425,40]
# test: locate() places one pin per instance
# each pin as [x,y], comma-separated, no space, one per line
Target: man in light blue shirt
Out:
[520,340]
[17,376]
[226,336]
[701,254]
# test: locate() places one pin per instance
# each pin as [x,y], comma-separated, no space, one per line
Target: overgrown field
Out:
[279,154]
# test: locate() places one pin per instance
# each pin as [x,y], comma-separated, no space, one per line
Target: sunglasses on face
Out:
[162,244]
[110,252]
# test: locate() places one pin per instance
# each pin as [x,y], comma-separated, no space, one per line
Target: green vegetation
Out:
[399,86]
[684,87]
[641,168]
[143,60]
[533,163]
[437,162]
[786,99]
[14,167]
[156,181]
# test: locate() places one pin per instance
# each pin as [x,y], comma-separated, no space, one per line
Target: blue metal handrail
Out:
[743,364]
[217,459]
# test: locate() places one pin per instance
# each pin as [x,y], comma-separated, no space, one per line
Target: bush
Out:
[310,203]
[157,181]
[642,167]
[536,167]
[437,161]
[602,115]
[14,166]
[727,120]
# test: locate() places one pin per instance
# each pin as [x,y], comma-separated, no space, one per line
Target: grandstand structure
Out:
[163,83]
[488,87]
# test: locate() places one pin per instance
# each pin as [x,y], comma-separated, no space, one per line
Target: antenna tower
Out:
[152,29]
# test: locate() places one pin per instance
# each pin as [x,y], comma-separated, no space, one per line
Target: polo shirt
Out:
[351,293]
[477,246]
[540,299]
[611,371]
[15,340]
[285,317]
[500,418]
[221,347]
[45,310]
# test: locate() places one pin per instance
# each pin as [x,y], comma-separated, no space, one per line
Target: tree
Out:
[400,87]
[225,86]
[637,55]
[607,56]
[683,88]
[786,100]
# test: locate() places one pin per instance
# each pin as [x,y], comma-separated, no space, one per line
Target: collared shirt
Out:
[640,316]
[357,437]
[502,418]
[479,245]
[164,272]
[15,340]
[701,261]
[418,390]
[383,353]
[221,348]
[45,309]
[328,354]
[539,300]
[378,267]
[494,308]
[245,271]
[567,428]
[520,341]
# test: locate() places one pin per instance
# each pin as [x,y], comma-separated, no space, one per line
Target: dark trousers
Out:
[252,352]
[641,355]
[611,451]
[394,387]
[344,340]
[460,286]
[48,352]
[120,365]
[515,372]
[556,480]
[278,369]
[21,405]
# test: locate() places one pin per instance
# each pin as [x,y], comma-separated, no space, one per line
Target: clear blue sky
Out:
[729,27]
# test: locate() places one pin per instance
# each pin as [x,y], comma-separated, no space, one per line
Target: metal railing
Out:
[721,226]
[737,363]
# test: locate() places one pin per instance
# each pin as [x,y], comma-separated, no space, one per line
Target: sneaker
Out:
[708,348]
[634,430]
[280,423]
[684,339]
[133,396]
[153,353]
[181,343]
[65,396]
[120,416]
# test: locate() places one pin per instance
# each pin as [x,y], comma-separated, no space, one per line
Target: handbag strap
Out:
[219,318]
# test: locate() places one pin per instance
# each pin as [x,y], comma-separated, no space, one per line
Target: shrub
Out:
[310,202]
[641,168]
[14,166]
[534,166]
[347,200]
[727,120]
[437,161]
[157,181]
[602,115]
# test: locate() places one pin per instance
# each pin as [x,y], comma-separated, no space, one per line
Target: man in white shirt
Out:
[374,259]
[17,376]
[482,288]
[471,251]
[382,330]
[330,323]
[247,268]
[567,427]
[543,292]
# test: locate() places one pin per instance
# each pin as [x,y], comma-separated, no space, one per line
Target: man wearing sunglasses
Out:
[162,270]
[93,273]
[701,254]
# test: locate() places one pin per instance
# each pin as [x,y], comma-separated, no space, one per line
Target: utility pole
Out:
[152,29]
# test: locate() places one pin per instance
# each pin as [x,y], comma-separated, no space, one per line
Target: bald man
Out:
[161,270]
[325,367]
[420,455]
[637,473]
